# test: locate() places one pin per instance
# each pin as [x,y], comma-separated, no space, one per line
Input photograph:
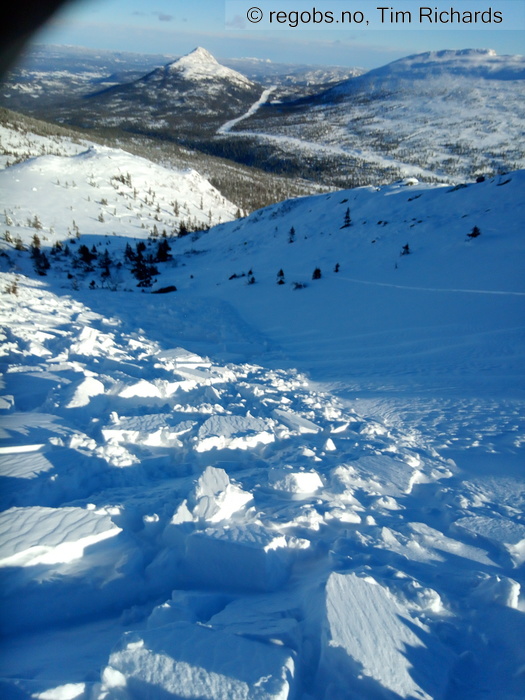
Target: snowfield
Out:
[261,485]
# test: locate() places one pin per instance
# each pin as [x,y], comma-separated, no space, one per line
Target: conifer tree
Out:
[35,246]
[129,253]
[105,263]
[163,251]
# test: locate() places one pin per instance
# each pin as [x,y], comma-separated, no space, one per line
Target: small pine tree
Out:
[35,246]
[105,263]
[474,233]
[291,235]
[316,274]
[280,277]
[347,221]
[337,267]
[86,255]
[405,250]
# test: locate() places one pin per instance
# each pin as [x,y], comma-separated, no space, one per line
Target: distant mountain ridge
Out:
[449,113]
[467,63]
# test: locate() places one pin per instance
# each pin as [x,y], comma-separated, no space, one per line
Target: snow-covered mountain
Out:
[297,475]
[442,113]
[468,63]
[49,74]
[185,99]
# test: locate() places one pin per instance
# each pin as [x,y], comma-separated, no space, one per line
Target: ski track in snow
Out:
[228,126]
[206,507]
[433,289]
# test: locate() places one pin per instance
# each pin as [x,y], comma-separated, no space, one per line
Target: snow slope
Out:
[105,191]
[248,489]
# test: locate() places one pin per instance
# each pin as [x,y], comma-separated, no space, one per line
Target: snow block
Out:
[286,480]
[371,646]
[234,433]
[23,461]
[498,590]
[82,393]
[184,660]
[296,423]
[214,498]
[388,476]
[245,558]
[38,535]
[151,430]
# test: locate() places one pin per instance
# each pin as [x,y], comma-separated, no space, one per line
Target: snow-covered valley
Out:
[266,483]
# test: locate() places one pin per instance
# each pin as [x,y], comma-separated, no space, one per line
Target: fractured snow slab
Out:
[23,462]
[388,476]
[37,535]
[503,532]
[234,433]
[152,430]
[180,357]
[142,389]
[185,660]
[295,422]
[244,557]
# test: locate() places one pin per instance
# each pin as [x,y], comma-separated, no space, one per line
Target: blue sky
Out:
[175,27]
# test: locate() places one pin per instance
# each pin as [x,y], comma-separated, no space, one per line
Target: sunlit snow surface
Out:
[254,491]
